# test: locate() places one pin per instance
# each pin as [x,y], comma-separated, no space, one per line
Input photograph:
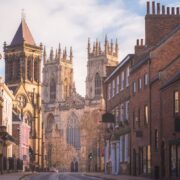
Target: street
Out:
[60,176]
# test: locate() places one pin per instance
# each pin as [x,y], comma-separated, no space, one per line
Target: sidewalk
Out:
[115,177]
[14,176]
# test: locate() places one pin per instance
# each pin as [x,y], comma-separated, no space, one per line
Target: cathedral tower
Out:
[57,75]
[22,76]
[98,59]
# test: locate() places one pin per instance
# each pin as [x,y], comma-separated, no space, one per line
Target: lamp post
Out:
[1,155]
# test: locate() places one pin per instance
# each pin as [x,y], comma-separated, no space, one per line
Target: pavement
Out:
[66,176]
[115,177]
[15,176]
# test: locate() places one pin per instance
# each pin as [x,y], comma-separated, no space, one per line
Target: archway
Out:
[74,166]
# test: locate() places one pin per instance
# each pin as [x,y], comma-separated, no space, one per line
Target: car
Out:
[53,169]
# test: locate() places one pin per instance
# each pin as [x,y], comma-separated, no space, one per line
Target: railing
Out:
[10,164]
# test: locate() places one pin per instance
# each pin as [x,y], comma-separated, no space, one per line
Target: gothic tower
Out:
[98,60]
[57,76]
[22,76]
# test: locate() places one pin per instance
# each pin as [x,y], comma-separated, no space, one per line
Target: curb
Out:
[26,175]
[96,176]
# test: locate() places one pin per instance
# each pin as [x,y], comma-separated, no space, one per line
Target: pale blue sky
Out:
[71,22]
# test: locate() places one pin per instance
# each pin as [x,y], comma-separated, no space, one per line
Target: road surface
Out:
[60,176]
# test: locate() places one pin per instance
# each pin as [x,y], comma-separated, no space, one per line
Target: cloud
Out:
[71,22]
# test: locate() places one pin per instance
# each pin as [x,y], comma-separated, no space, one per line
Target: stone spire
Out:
[106,46]
[112,46]
[59,51]
[44,55]
[23,34]
[116,48]
[51,54]
[89,46]
[71,54]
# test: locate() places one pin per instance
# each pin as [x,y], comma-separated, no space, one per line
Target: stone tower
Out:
[57,76]
[22,76]
[98,60]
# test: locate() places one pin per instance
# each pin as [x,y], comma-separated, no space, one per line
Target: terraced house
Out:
[153,97]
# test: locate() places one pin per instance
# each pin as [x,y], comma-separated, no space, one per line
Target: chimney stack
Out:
[148,7]
[177,11]
[153,7]
[158,8]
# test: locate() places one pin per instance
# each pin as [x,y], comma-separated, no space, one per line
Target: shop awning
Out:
[6,137]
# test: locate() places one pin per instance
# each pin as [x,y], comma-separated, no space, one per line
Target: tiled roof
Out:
[23,34]
[172,80]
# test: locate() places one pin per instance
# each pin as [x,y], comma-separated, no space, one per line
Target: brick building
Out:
[117,136]
[155,62]
[153,97]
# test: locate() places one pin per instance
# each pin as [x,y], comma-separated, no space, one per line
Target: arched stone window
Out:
[65,88]
[50,122]
[27,118]
[97,85]
[73,131]
[52,90]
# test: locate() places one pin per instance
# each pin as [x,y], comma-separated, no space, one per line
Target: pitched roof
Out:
[23,34]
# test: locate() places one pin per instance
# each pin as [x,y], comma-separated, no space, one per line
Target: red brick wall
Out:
[157,26]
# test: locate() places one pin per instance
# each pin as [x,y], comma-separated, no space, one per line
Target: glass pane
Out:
[178,151]
[173,160]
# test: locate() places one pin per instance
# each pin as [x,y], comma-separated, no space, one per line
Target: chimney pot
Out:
[172,11]
[177,11]
[141,42]
[153,7]
[137,42]
[158,8]
[163,9]
[167,10]
[148,9]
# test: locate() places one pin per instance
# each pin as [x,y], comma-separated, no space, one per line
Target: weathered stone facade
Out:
[71,122]
[22,76]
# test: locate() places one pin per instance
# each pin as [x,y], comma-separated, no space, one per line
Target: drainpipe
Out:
[150,132]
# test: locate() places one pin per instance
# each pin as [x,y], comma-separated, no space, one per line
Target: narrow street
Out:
[60,176]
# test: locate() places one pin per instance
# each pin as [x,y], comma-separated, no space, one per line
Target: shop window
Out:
[149,159]
[173,161]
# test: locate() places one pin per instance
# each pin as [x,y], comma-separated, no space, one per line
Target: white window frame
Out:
[134,87]
[140,83]
[122,80]
[127,110]
[109,91]
[117,84]
[113,88]
[146,79]
[127,77]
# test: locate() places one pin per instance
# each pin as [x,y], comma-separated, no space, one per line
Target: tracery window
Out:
[52,90]
[73,131]
[27,118]
[50,122]
[36,70]
[97,85]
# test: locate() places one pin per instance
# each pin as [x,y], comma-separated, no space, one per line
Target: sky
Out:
[72,22]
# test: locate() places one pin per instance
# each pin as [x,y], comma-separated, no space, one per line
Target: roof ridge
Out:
[23,34]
